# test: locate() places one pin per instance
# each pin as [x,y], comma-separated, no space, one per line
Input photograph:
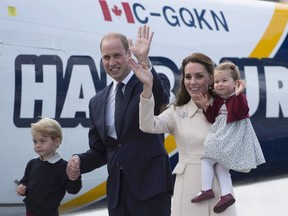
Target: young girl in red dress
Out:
[231,142]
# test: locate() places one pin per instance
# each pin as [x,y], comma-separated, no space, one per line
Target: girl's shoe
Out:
[203,195]
[224,203]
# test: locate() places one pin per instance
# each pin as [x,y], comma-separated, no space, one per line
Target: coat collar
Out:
[188,110]
[192,108]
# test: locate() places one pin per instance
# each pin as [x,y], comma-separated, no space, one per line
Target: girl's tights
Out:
[224,177]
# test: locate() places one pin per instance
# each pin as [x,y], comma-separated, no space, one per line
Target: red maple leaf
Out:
[116,11]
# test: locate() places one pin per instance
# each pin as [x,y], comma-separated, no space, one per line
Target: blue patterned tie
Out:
[117,114]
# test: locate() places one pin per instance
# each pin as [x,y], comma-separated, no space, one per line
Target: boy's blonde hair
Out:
[231,67]
[48,127]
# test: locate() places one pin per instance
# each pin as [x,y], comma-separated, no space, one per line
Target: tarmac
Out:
[261,198]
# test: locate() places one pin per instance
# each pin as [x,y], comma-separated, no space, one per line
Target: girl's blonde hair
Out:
[231,67]
[48,127]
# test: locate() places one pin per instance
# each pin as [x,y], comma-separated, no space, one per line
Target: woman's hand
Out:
[144,75]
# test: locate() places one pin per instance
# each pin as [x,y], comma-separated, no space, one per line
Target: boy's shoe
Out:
[203,195]
[224,203]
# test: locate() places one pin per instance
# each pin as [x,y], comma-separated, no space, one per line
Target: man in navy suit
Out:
[139,174]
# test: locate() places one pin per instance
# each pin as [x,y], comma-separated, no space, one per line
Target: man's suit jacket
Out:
[141,157]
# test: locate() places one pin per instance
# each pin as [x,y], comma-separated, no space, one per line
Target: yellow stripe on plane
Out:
[100,190]
[89,197]
[273,32]
[170,143]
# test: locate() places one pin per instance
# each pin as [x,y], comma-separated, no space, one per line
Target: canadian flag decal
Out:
[116,11]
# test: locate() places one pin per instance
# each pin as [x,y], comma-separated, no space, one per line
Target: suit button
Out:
[119,145]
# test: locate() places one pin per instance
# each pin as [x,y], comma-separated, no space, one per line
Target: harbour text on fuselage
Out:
[43,84]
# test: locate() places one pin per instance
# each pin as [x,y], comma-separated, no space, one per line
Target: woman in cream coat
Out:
[187,123]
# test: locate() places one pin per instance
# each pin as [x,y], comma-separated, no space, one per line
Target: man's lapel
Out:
[101,112]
